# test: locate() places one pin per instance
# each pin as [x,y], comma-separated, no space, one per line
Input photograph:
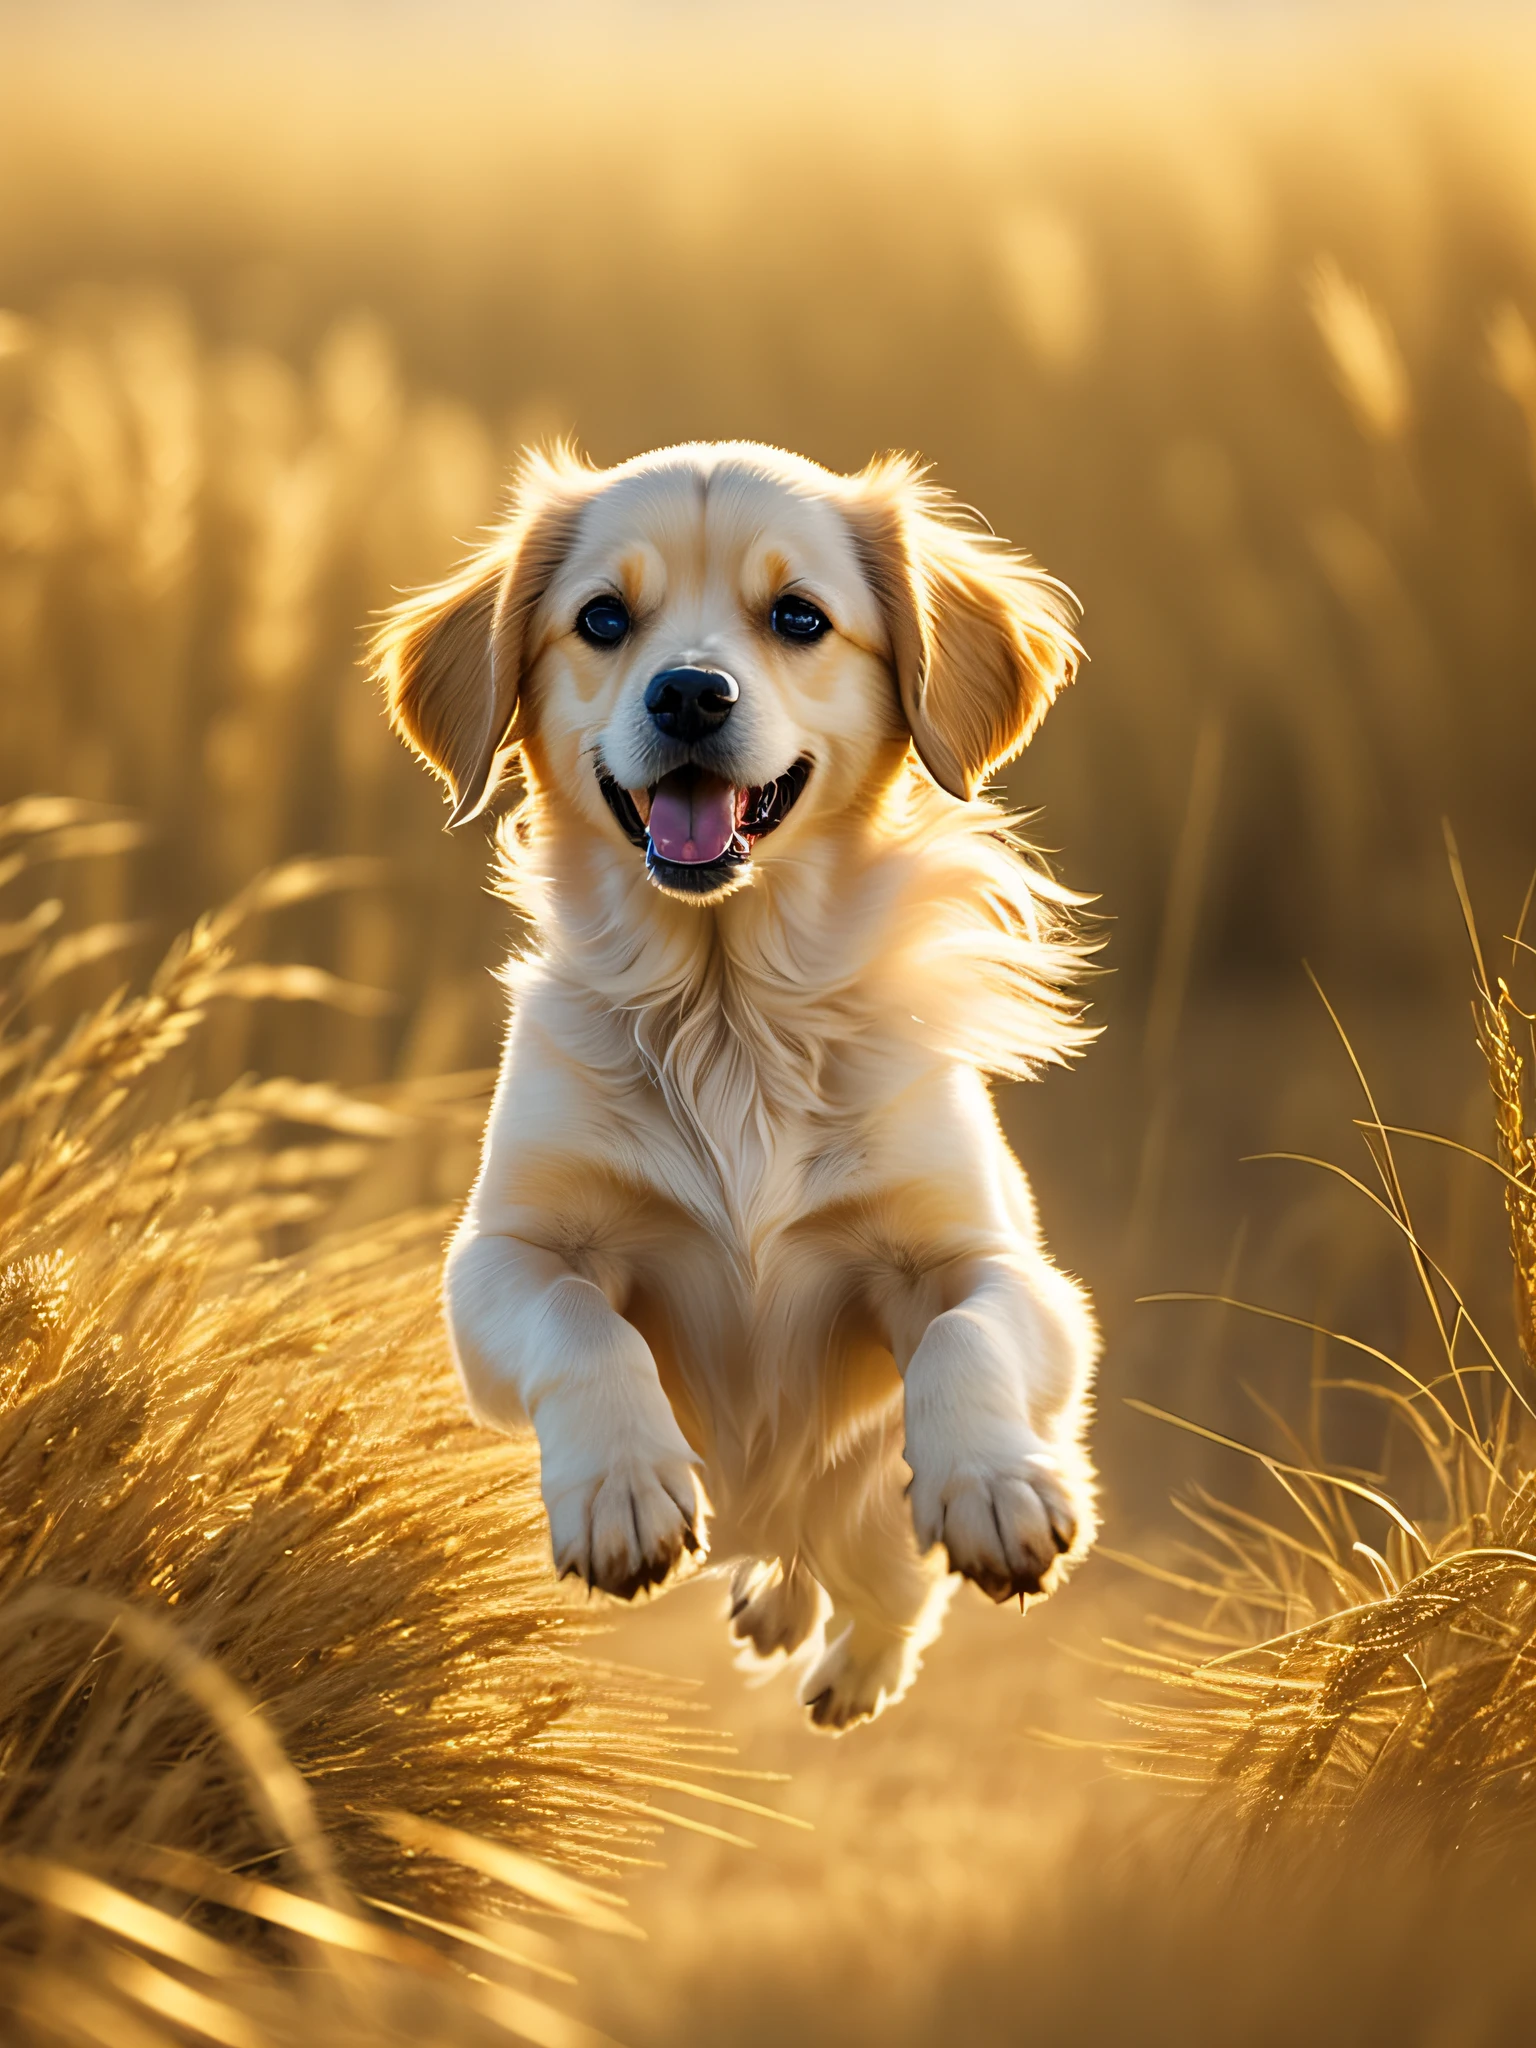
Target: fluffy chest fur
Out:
[730,1192]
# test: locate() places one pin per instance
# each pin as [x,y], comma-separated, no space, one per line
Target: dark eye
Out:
[603,622]
[796,618]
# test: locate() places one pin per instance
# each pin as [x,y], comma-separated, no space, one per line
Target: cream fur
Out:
[747,1244]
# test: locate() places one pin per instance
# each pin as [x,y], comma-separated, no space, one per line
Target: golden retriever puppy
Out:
[747,1242]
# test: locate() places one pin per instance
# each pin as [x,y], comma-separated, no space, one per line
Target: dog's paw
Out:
[1007,1529]
[629,1528]
[856,1677]
[773,1609]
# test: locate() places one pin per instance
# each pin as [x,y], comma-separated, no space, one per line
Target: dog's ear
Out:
[981,640]
[452,659]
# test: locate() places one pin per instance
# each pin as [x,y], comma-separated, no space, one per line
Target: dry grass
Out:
[1354,1660]
[277,1628]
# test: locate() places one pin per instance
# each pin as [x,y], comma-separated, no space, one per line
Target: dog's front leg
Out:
[534,1339]
[995,1391]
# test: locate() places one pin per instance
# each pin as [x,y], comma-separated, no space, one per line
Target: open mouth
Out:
[697,829]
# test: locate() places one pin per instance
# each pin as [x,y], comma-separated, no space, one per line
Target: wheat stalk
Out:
[1506,1081]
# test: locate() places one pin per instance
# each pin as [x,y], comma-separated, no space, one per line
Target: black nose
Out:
[687,703]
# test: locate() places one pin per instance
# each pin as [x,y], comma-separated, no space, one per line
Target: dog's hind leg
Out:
[774,1606]
[888,1600]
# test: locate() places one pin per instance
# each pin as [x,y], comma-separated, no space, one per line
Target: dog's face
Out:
[703,653]
[710,669]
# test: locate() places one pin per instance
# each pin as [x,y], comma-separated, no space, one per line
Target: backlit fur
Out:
[747,1242]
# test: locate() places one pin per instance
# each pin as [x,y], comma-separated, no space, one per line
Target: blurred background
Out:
[1225,312]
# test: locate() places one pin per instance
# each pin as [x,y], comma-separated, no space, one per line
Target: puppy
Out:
[747,1241]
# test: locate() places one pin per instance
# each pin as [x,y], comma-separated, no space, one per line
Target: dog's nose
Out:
[688,703]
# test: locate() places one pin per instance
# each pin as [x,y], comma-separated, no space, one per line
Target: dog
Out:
[747,1244]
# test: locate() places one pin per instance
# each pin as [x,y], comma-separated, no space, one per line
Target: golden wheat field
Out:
[1229,315]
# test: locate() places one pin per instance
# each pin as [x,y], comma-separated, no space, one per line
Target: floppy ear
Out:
[451,659]
[981,640]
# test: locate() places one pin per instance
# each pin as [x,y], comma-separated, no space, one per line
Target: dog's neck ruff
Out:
[926,923]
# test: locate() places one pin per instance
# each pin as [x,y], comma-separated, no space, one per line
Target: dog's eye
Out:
[796,618]
[603,622]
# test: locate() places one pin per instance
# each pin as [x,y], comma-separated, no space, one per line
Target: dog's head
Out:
[703,651]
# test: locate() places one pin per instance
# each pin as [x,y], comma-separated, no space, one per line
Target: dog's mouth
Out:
[697,829]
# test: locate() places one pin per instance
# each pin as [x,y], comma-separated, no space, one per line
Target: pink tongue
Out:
[693,816]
